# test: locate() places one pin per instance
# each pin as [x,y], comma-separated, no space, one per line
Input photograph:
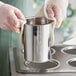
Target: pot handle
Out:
[52,32]
[22,23]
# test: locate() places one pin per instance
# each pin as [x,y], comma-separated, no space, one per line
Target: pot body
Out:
[37,39]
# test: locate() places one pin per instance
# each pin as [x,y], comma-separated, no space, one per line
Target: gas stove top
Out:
[63,60]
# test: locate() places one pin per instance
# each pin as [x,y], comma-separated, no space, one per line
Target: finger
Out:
[12,20]
[49,11]
[19,14]
[4,27]
[11,27]
[57,15]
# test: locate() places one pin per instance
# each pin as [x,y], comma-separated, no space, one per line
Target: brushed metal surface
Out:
[72,62]
[37,39]
[20,68]
[69,50]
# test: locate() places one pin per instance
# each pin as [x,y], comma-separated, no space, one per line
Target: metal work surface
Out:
[61,62]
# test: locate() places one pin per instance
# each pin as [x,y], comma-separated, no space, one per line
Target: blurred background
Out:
[68,28]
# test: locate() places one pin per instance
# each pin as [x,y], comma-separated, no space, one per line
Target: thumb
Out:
[48,12]
[19,14]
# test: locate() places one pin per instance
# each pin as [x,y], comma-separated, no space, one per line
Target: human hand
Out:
[56,9]
[10,17]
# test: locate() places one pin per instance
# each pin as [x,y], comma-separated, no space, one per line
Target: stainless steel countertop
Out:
[52,74]
[14,73]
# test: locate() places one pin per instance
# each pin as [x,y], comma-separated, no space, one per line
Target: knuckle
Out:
[10,19]
[15,22]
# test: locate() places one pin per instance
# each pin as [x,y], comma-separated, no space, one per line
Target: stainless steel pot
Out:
[37,39]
